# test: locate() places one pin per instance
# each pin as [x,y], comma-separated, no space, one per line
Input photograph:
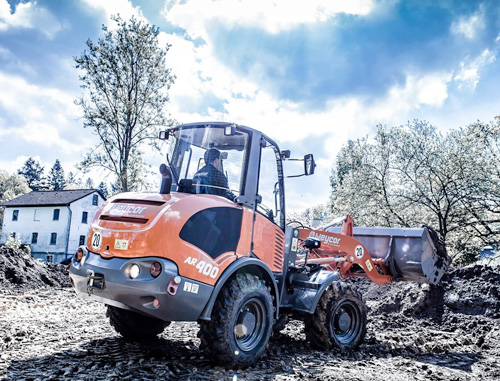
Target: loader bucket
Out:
[409,254]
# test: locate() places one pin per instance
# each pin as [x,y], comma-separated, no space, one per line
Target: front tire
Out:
[134,326]
[339,319]
[242,319]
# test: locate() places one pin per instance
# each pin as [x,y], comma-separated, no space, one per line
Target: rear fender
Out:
[249,265]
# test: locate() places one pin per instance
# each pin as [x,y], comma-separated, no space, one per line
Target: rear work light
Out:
[155,269]
[79,254]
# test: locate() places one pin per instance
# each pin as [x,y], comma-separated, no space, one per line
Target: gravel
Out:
[415,332]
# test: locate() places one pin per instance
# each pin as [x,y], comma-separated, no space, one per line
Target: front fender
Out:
[305,299]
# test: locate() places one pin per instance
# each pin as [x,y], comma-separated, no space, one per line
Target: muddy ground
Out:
[415,332]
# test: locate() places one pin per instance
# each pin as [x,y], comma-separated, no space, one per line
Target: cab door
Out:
[269,222]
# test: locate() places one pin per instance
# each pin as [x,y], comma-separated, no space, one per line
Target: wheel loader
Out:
[222,255]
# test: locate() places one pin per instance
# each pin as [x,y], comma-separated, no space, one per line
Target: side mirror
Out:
[285,154]
[223,155]
[164,135]
[309,164]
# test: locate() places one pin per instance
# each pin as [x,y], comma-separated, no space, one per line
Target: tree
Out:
[128,82]
[310,217]
[89,183]
[32,171]
[73,182]
[411,175]
[56,179]
[11,186]
[103,188]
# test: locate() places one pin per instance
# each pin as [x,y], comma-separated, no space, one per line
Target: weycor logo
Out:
[326,239]
[128,209]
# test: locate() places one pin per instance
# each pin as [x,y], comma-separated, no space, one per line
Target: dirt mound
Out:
[470,290]
[21,270]
[460,315]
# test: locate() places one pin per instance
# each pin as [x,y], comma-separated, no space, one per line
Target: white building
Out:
[53,223]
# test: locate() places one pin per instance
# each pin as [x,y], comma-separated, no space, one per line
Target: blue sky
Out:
[311,74]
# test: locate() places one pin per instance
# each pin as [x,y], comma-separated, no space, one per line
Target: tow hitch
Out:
[94,281]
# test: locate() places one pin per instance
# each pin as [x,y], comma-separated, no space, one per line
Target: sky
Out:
[310,74]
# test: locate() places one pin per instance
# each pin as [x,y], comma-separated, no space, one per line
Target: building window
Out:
[84,217]
[34,238]
[53,238]
[36,217]
[56,215]
[82,240]
[94,199]
[15,215]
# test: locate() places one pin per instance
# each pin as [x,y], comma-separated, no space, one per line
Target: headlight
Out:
[134,271]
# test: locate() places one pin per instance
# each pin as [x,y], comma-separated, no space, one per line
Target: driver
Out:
[210,179]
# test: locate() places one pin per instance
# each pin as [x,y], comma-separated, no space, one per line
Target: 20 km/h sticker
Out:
[96,240]
[359,251]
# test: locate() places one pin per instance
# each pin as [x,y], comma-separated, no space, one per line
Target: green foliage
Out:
[103,188]
[89,183]
[56,179]
[412,175]
[73,182]
[11,186]
[32,171]
[317,215]
[127,82]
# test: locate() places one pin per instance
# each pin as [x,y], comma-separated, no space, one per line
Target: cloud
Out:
[114,7]
[470,25]
[195,16]
[30,16]
[468,73]
[37,115]
[429,89]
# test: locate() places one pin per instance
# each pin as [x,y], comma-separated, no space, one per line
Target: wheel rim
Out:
[250,325]
[345,322]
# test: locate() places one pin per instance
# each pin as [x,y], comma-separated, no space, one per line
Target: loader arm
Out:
[383,255]
[340,252]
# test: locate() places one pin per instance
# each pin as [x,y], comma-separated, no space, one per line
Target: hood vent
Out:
[138,202]
[133,220]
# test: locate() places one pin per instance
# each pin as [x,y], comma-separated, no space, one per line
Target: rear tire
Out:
[242,319]
[134,326]
[339,319]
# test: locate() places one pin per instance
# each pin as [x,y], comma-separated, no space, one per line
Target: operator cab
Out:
[188,154]
[248,169]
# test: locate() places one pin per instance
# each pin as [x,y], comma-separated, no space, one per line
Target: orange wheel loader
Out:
[212,246]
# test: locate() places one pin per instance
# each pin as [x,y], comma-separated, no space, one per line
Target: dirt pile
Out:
[19,269]
[471,291]
[458,318]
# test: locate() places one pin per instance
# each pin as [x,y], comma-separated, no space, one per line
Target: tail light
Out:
[155,269]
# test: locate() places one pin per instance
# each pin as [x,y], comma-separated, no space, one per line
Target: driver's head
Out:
[211,155]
